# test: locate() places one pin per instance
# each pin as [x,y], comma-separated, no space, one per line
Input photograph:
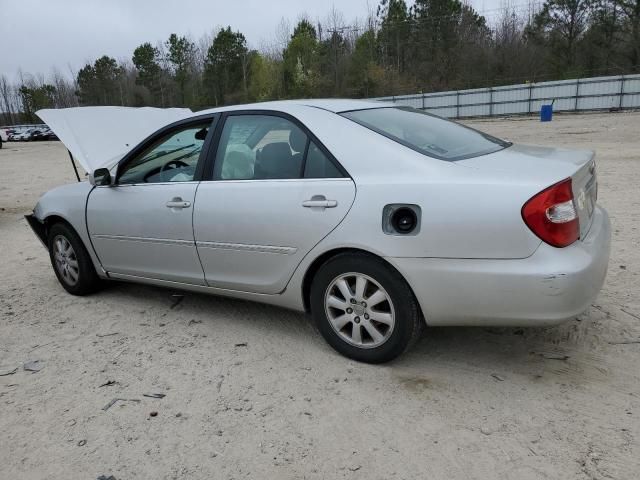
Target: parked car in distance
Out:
[39,135]
[27,133]
[12,134]
[34,135]
[47,134]
[23,135]
[376,219]
[19,135]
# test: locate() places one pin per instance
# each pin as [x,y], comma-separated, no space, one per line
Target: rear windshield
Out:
[426,133]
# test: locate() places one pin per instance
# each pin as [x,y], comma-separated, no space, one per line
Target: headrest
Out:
[275,151]
[297,140]
[275,161]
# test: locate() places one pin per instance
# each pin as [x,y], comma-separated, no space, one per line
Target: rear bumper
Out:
[550,286]
[38,228]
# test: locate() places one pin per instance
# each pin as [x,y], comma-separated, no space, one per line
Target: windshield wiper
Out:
[189,154]
[164,152]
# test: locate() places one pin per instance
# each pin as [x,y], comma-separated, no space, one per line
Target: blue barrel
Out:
[546,113]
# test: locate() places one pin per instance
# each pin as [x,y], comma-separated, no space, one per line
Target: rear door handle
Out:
[177,202]
[319,201]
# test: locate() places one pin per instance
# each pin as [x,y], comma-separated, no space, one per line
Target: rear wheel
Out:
[364,309]
[71,261]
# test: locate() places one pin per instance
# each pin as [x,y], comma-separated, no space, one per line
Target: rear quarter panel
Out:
[460,219]
[467,212]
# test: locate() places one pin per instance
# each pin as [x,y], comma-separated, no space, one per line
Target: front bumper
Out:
[38,228]
[549,287]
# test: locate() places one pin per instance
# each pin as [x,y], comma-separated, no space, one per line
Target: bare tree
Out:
[65,94]
[8,100]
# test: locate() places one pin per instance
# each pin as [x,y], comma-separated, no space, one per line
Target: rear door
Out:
[273,194]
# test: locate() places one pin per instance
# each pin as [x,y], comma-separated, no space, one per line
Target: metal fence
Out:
[597,93]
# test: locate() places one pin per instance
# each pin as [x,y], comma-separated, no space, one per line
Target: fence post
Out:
[621,91]
[491,101]
[575,105]
[423,100]
[530,92]
[457,103]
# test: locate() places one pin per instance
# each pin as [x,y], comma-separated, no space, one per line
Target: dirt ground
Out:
[254,392]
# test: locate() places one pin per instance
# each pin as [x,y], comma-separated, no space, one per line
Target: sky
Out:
[38,35]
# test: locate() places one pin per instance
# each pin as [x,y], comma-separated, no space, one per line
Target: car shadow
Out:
[560,353]
[212,308]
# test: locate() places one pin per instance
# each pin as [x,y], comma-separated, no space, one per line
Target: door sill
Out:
[272,299]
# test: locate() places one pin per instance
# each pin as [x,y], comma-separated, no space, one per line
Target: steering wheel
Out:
[171,165]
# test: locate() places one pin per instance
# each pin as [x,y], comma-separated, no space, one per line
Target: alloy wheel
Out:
[360,310]
[66,260]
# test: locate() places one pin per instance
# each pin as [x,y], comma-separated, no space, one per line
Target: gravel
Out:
[239,377]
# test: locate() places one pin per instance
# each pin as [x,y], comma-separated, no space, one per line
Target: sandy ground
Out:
[254,392]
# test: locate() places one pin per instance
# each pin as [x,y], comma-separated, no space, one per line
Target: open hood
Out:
[100,136]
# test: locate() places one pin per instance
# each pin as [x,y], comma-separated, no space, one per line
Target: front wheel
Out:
[364,308]
[71,261]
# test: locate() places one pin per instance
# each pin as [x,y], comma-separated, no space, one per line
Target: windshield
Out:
[426,133]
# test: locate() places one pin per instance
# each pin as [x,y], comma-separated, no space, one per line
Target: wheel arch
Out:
[313,268]
[52,219]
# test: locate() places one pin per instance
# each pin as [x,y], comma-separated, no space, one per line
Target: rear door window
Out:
[318,165]
[266,147]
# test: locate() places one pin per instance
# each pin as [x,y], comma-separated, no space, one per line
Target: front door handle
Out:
[319,201]
[177,202]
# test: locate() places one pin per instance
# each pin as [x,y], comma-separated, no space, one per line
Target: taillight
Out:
[552,216]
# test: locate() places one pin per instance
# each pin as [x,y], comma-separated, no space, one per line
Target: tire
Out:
[372,333]
[74,268]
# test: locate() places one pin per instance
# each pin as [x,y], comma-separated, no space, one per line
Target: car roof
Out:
[335,105]
[81,129]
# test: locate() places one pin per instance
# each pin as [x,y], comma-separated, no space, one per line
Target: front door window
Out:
[172,158]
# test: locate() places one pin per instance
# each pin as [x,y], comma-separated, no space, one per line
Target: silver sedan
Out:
[376,219]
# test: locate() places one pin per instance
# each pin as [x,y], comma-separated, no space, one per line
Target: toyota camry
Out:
[376,219]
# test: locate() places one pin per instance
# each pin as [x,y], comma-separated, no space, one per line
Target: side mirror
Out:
[100,178]
[201,134]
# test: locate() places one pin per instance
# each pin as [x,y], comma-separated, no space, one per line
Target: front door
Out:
[142,226]
[275,193]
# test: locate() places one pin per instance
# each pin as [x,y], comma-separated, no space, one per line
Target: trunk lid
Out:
[585,191]
[545,166]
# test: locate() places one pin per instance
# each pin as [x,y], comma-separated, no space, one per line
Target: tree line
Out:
[429,45]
